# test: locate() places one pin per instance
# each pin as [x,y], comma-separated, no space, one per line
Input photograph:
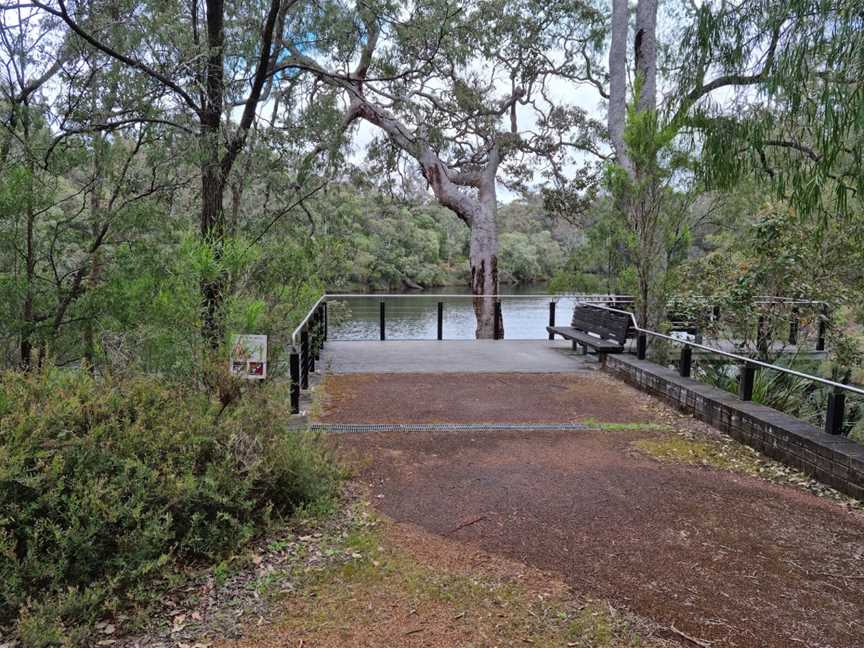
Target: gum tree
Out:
[645,126]
[801,128]
[469,93]
[208,67]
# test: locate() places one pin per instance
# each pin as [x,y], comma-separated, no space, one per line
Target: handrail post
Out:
[312,351]
[685,361]
[836,412]
[641,346]
[317,342]
[304,363]
[748,376]
[793,327]
[498,321]
[326,322]
[762,335]
[440,320]
[551,319]
[295,381]
[381,321]
[823,325]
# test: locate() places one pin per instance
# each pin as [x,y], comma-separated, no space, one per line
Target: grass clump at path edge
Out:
[679,448]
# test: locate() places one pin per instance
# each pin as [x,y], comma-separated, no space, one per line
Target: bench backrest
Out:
[607,324]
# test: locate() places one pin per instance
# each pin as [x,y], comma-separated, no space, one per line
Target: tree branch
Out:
[63,14]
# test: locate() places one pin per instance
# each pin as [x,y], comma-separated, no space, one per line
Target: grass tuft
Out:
[681,449]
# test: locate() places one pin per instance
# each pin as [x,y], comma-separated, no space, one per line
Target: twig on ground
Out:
[693,640]
[466,524]
[843,576]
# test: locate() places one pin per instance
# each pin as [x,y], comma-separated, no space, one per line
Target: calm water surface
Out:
[413,316]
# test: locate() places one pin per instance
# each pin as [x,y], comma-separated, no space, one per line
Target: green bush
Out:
[105,485]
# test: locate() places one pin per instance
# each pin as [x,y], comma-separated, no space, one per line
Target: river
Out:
[413,315]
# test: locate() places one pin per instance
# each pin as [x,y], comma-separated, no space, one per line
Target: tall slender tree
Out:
[642,129]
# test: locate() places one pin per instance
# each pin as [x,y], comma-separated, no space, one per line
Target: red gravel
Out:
[478,398]
[731,560]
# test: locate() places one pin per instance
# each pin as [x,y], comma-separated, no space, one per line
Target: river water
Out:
[413,316]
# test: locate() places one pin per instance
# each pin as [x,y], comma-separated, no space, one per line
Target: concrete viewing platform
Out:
[454,356]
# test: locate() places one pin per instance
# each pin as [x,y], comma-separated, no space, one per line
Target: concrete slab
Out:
[455,356]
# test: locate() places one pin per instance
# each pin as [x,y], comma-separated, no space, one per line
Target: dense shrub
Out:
[104,485]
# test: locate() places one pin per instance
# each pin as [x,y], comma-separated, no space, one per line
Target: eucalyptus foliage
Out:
[798,117]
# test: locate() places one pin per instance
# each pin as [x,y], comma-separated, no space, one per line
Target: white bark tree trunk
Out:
[483,256]
[617,112]
[645,52]
[639,201]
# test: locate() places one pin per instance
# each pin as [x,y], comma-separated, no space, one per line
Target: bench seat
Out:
[577,335]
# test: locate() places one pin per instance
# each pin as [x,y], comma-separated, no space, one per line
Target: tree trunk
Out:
[639,199]
[212,234]
[483,256]
[27,316]
[212,176]
[96,217]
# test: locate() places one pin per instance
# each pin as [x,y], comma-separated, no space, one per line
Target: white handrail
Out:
[306,319]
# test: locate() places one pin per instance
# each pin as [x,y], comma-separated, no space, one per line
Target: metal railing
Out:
[836,399]
[794,304]
[307,341]
[313,331]
[372,314]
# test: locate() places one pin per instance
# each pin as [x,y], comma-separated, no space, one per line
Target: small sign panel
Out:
[249,356]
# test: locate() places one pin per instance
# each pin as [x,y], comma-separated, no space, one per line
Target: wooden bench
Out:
[603,330]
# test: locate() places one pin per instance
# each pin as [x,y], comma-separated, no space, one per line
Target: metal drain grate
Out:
[445,427]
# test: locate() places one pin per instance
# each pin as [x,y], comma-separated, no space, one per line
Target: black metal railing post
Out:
[685,362]
[304,358]
[326,322]
[294,363]
[823,326]
[551,319]
[316,335]
[641,346]
[382,321]
[748,377]
[498,321]
[761,333]
[835,413]
[793,327]
[440,320]
[312,351]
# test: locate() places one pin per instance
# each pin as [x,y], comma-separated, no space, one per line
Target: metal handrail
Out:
[306,319]
[772,299]
[583,296]
[735,356]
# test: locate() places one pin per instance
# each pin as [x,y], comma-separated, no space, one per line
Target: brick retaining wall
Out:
[833,460]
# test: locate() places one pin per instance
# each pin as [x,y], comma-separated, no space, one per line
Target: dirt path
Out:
[405,587]
[728,559]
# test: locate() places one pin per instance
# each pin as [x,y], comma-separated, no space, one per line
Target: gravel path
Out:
[727,559]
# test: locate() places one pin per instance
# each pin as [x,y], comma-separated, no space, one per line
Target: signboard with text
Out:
[249,356]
